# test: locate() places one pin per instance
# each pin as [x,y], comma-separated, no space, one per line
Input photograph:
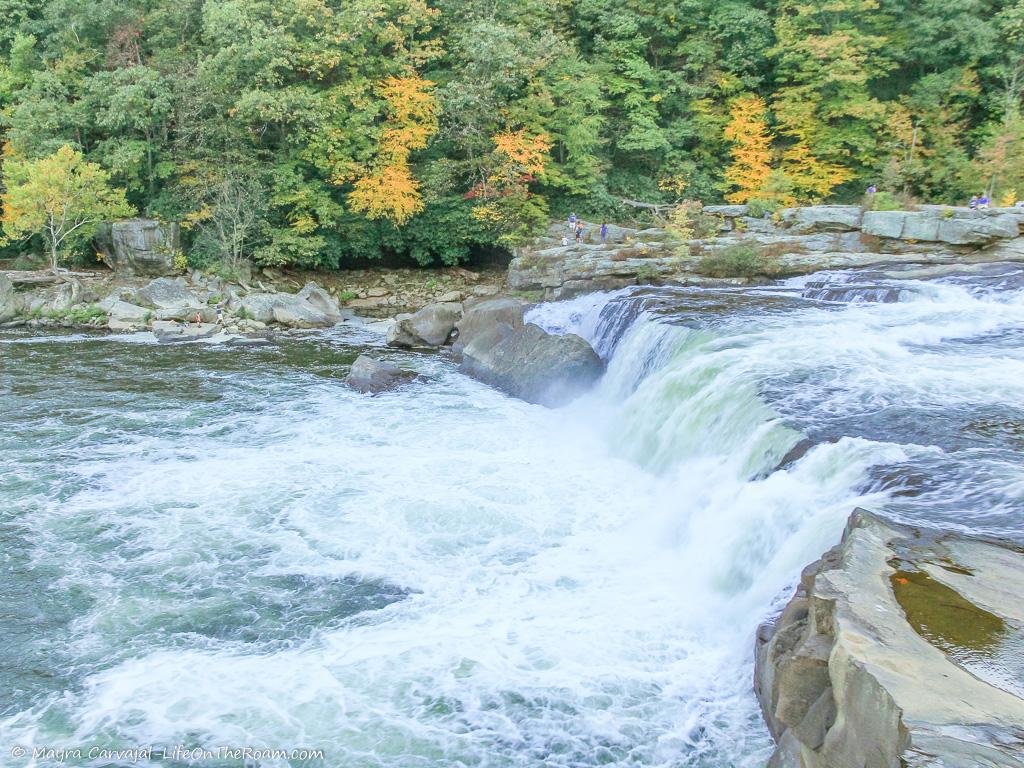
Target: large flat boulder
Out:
[371,376]
[951,226]
[485,315]
[287,309]
[140,246]
[823,218]
[165,293]
[898,650]
[532,364]
[431,326]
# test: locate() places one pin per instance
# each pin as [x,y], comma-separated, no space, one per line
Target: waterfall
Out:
[234,549]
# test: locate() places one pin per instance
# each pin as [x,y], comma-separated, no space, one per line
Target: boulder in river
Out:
[898,650]
[429,327]
[371,376]
[170,332]
[532,364]
[321,300]
[484,316]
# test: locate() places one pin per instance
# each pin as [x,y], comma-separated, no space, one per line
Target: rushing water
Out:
[210,547]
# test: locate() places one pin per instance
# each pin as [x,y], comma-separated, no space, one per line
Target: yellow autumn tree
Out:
[520,156]
[747,131]
[510,210]
[63,197]
[388,189]
[812,179]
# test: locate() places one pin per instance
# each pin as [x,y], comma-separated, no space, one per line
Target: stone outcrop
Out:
[484,316]
[799,240]
[431,326]
[371,376]
[140,246]
[898,650]
[532,364]
[10,302]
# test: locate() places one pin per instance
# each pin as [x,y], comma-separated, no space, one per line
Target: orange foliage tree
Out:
[747,131]
[388,189]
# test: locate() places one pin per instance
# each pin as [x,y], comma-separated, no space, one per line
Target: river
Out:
[205,546]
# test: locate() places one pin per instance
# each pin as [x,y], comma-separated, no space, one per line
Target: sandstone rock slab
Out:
[851,674]
[532,364]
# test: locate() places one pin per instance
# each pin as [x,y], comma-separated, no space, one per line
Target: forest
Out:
[318,133]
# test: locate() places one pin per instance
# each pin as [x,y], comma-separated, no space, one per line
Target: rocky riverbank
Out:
[898,649]
[100,299]
[795,241]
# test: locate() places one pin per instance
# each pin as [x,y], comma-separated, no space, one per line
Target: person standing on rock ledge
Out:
[604,231]
[572,222]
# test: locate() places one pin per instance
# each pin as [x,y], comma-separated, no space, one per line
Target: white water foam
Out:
[584,584]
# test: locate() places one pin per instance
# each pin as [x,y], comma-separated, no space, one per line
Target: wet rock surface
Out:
[371,376]
[431,326]
[532,364]
[898,649]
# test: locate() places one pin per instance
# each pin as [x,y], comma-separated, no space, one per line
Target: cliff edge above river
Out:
[898,649]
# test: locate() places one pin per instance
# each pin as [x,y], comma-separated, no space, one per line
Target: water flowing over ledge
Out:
[232,547]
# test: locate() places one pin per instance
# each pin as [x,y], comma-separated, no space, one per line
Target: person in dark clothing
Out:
[604,231]
[579,232]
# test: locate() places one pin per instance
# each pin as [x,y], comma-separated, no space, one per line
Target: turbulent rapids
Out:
[209,547]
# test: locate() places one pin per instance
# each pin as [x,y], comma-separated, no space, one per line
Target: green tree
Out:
[63,197]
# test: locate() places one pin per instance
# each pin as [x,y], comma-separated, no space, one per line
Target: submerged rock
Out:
[896,651]
[371,376]
[169,332]
[532,364]
[430,327]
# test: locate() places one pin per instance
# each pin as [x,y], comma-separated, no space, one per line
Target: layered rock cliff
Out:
[898,649]
[801,240]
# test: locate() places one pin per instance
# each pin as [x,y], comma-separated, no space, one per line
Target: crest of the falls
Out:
[231,548]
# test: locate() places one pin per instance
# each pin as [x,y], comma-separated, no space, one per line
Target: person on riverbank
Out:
[579,233]
[983,201]
[604,231]
[973,203]
[572,222]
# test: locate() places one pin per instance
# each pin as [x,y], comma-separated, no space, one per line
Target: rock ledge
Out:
[898,650]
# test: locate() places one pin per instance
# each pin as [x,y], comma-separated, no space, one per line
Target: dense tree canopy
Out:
[314,132]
